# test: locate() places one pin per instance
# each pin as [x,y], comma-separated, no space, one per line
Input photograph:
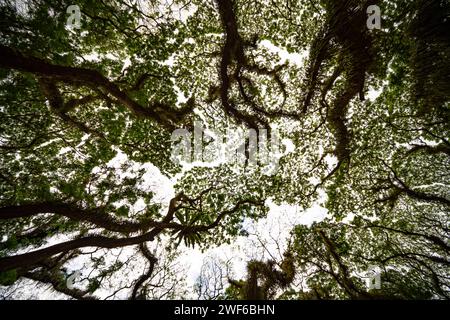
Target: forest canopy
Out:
[346,101]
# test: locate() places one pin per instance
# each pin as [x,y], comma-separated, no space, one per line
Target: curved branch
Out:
[152,260]
[55,282]
[12,59]
[31,258]
[95,216]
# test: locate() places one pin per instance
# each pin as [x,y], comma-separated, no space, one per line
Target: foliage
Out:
[74,101]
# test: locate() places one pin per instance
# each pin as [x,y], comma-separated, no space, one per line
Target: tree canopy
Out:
[363,114]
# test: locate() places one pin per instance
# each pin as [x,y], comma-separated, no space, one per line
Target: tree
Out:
[74,100]
[212,281]
[263,279]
